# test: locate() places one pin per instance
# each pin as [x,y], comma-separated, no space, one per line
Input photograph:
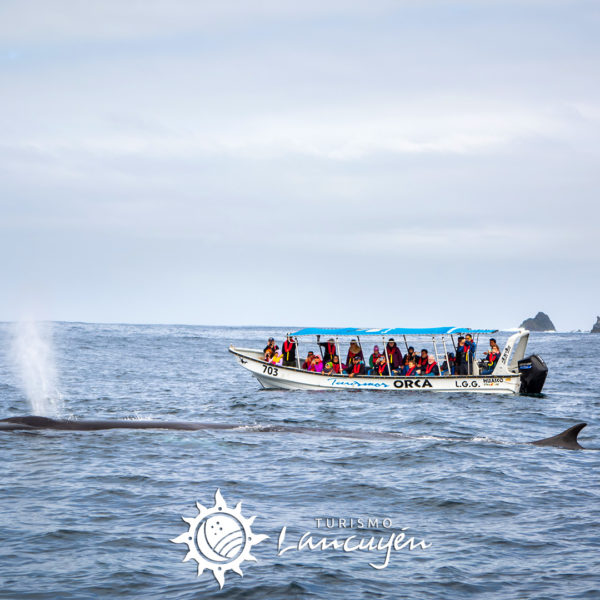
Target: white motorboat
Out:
[512,373]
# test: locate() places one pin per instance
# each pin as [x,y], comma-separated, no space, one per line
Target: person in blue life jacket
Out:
[470,349]
[491,358]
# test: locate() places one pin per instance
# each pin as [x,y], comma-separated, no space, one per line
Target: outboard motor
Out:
[533,371]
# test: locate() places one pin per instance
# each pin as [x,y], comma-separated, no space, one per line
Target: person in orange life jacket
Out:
[328,347]
[381,367]
[445,365]
[431,368]
[410,370]
[289,352]
[491,357]
[373,358]
[353,351]
[422,360]
[271,347]
[393,354]
[306,364]
[410,356]
[356,368]
[462,366]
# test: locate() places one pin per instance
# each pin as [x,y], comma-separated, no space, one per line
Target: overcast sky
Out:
[402,163]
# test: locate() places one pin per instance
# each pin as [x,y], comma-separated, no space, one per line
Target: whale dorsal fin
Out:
[567,439]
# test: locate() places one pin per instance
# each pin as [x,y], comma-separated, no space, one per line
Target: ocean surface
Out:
[91,514]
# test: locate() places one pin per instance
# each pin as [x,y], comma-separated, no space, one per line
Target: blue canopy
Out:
[337,331]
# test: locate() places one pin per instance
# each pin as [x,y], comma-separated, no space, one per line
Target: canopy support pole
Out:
[387,358]
[337,349]
[447,359]
[297,353]
[405,343]
[437,360]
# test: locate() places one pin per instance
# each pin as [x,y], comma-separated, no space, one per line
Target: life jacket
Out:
[331,349]
[429,367]
[375,357]
[336,367]
[493,358]
[422,361]
[287,348]
[410,371]
[356,368]
[381,368]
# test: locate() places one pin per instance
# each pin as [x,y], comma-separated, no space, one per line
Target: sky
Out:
[405,163]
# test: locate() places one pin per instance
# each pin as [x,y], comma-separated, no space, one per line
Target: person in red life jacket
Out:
[289,352]
[462,366]
[317,364]
[306,364]
[373,359]
[271,347]
[382,368]
[431,368]
[357,367]
[410,370]
[329,349]
[337,367]
[353,351]
[410,355]
[394,356]
[422,360]
[491,358]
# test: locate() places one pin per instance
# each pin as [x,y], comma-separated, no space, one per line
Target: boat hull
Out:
[287,378]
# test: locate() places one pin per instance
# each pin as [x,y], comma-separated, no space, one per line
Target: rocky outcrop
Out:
[541,322]
[596,327]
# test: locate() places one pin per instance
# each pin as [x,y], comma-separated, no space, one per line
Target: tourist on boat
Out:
[328,369]
[373,358]
[431,368]
[423,359]
[470,347]
[381,367]
[271,347]
[452,361]
[306,364]
[491,358]
[329,349]
[411,355]
[393,354]
[462,365]
[277,358]
[337,367]
[289,352]
[354,350]
[317,364]
[410,370]
[356,368]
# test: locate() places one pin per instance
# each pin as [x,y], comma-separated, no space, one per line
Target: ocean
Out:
[90,514]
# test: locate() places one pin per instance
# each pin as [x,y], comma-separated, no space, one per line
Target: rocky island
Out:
[596,327]
[541,322]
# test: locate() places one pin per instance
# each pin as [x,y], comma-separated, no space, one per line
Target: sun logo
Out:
[219,539]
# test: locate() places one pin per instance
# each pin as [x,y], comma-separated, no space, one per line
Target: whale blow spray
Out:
[34,361]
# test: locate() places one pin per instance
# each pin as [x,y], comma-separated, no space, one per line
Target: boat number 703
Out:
[270,370]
